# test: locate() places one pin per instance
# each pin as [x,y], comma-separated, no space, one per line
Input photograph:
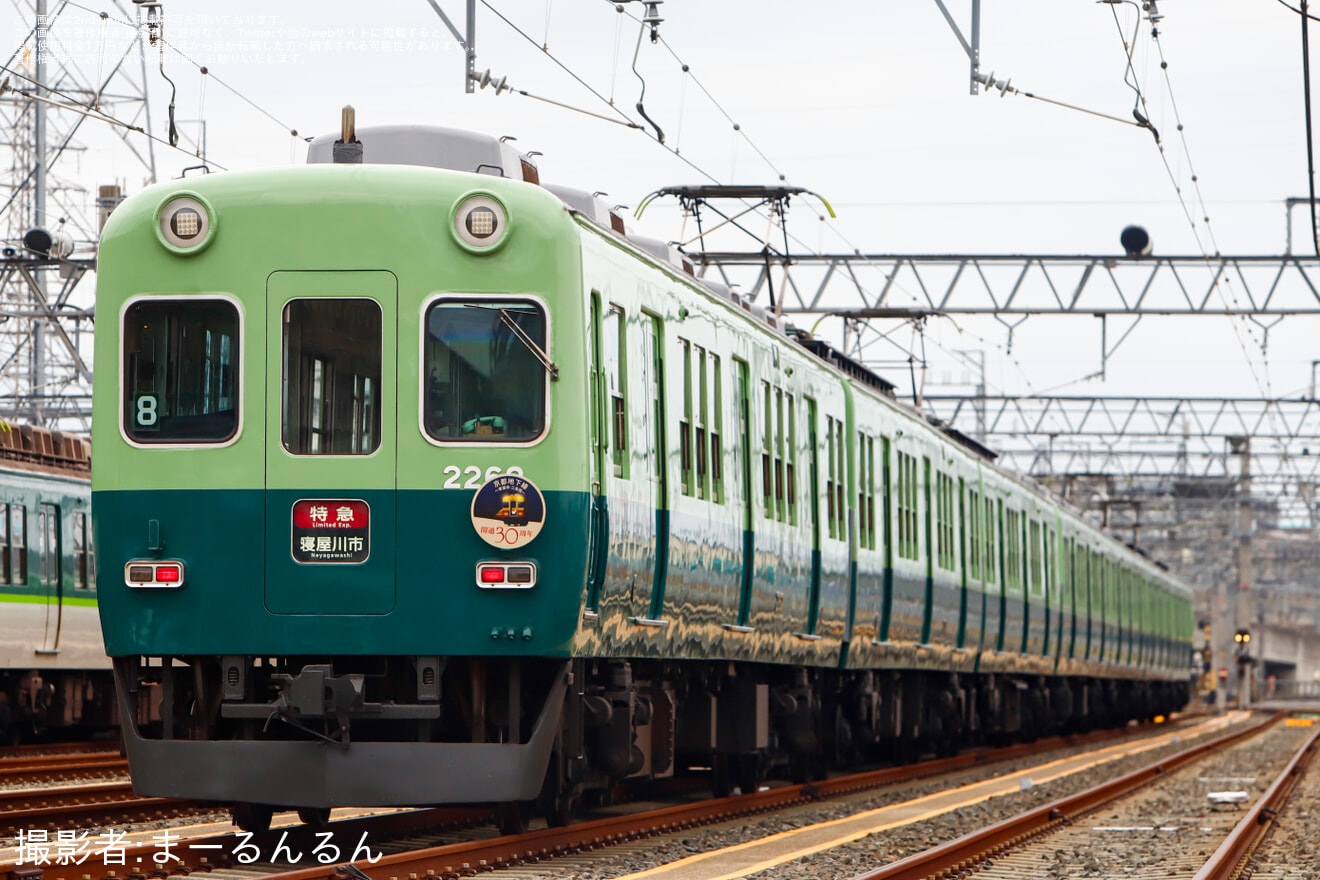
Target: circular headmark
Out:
[508,512]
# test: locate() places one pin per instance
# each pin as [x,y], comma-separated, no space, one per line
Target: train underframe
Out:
[548,735]
[37,704]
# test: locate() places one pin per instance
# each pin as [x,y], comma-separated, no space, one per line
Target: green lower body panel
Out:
[417,593]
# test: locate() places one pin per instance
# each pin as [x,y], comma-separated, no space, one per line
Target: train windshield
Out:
[180,371]
[485,380]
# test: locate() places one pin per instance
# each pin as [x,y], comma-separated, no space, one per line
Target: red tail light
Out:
[506,575]
[148,574]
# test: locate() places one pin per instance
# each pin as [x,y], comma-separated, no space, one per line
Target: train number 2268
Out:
[474,476]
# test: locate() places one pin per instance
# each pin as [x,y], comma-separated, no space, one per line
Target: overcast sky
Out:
[866,103]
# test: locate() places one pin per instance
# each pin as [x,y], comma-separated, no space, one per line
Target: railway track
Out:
[48,769]
[40,750]
[424,842]
[81,806]
[1137,825]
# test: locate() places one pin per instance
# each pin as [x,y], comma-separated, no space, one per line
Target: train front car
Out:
[311,361]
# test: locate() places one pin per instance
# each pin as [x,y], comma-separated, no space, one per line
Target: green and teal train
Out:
[54,675]
[430,484]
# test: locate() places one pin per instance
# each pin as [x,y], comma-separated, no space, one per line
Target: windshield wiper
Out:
[526,340]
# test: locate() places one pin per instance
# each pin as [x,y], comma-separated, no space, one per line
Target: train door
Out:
[1003,574]
[930,555]
[48,558]
[887,603]
[330,512]
[962,561]
[814,512]
[655,343]
[745,468]
[598,534]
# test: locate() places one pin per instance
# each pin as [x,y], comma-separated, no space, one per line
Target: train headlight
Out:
[185,223]
[479,223]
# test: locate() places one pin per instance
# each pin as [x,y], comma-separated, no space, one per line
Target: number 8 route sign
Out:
[508,511]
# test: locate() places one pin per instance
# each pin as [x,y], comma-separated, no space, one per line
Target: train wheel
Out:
[254,818]
[513,817]
[721,775]
[805,768]
[750,773]
[562,812]
[315,817]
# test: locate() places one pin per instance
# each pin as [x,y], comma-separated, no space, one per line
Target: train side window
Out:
[80,571]
[699,355]
[944,517]
[865,491]
[180,371]
[1012,551]
[332,369]
[18,542]
[908,547]
[767,469]
[616,357]
[861,491]
[486,380]
[870,493]
[685,423]
[1052,565]
[840,480]
[717,431]
[790,469]
[1034,557]
[48,542]
[778,450]
[5,576]
[834,479]
[973,535]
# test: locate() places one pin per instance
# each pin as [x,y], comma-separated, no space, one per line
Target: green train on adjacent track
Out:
[430,484]
[54,675]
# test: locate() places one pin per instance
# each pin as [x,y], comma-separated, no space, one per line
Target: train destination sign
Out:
[508,511]
[331,531]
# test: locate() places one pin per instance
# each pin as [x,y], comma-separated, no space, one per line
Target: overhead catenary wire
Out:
[1219,288]
[1222,286]
[292,130]
[632,123]
[76,105]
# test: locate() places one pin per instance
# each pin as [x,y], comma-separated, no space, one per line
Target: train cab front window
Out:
[332,371]
[180,371]
[485,369]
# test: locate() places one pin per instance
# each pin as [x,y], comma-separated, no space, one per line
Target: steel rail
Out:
[33,751]
[69,806]
[1230,860]
[59,768]
[984,845]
